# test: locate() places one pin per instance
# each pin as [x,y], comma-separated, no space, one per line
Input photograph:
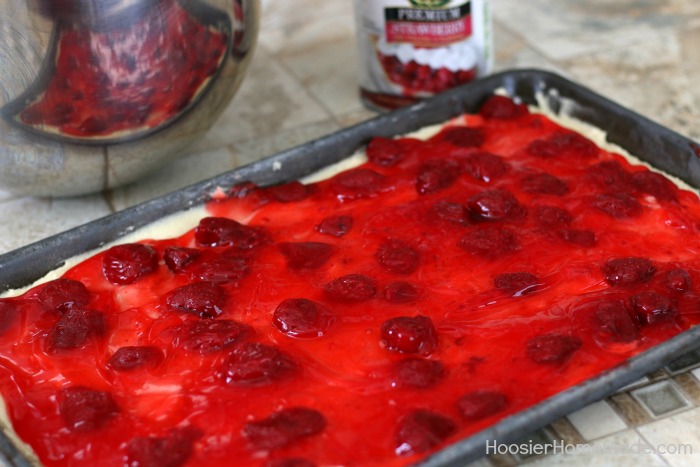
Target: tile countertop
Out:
[302,84]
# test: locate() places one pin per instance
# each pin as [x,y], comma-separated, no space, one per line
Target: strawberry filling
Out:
[372,318]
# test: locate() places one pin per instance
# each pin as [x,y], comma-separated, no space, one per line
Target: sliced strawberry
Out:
[84,409]
[284,427]
[126,264]
[628,271]
[60,294]
[172,449]
[135,357]
[421,430]
[204,299]
[254,364]
[306,255]
[351,288]
[418,373]
[409,334]
[481,404]
[552,349]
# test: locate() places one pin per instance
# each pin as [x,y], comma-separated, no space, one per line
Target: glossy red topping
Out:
[104,81]
[481,404]
[172,449]
[135,357]
[76,328]
[418,373]
[336,226]
[86,409]
[284,427]
[436,175]
[408,334]
[204,299]
[299,317]
[355,299]
[420,430]
[254,364]
[398,257]
[552,349]
[125,264]
[60,294]
[351,288]
[209,336]
[306,255]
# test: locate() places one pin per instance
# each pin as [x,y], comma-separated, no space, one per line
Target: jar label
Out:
[416,48]
[428,27]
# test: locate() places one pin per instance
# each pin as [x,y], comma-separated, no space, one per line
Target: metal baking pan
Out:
[649,141]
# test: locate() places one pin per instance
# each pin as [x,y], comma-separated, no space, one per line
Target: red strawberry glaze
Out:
[127,78]
[496,352]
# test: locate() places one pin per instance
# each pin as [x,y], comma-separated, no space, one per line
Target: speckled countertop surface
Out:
[644,54]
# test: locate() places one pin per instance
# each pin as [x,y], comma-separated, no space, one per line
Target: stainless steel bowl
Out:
[95,93]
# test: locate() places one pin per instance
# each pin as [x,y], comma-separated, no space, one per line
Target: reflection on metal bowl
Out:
[95,93]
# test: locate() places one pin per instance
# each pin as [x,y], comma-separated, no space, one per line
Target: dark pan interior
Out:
[649,141]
